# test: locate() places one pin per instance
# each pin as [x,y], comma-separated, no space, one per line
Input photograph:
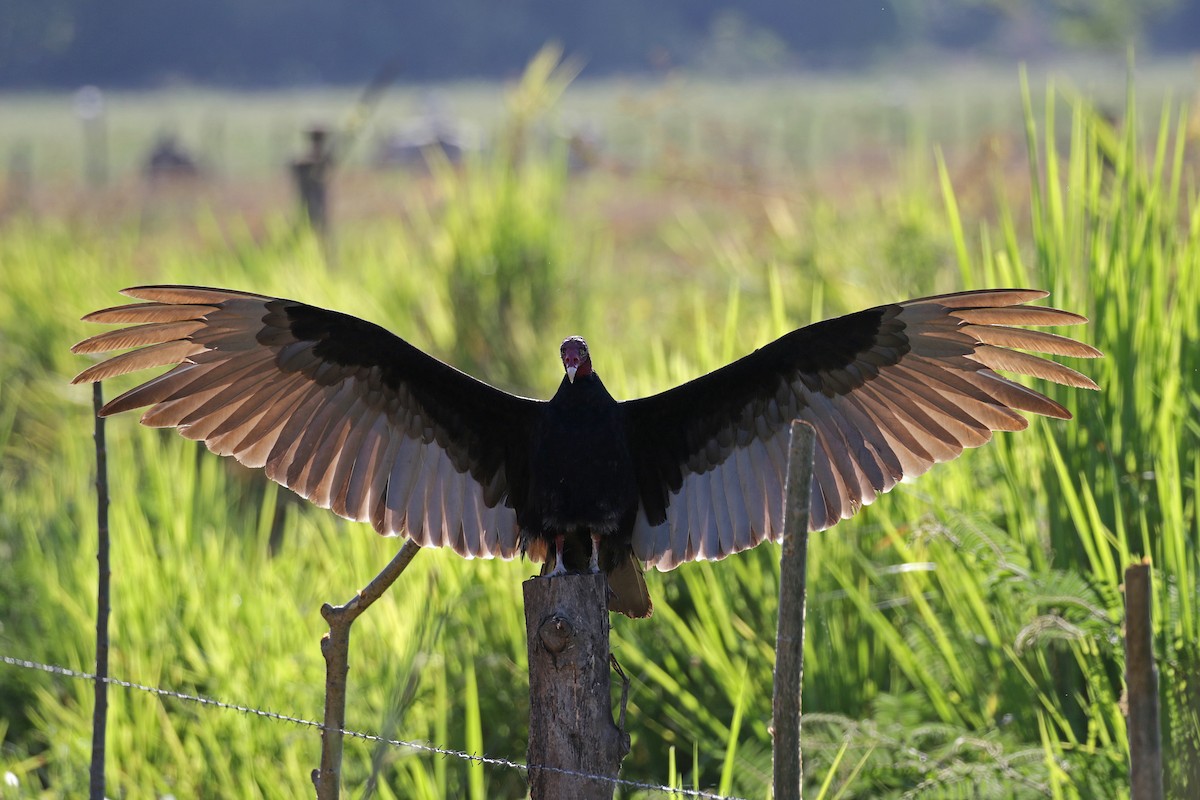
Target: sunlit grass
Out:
[964,632]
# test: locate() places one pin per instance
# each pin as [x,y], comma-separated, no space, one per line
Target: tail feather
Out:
[627,592]
[627,589]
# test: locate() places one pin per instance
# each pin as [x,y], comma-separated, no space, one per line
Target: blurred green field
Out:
[964,633]
[794,121]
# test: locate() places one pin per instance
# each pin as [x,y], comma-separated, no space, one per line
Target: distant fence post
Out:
[1141,682]
[570,696]
[789,640]
[311,174]
[19,194]
[89,107]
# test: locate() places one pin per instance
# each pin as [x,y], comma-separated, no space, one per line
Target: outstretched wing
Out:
[335,408]
[890,391]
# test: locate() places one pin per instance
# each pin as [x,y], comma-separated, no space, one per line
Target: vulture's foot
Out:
[559,567]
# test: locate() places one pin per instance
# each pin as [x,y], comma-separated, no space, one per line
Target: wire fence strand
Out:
[492,761]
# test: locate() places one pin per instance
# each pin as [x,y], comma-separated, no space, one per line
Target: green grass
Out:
[963,633]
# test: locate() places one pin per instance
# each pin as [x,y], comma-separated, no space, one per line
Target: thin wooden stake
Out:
[100,707]
[1141,681]
[335,647]
[570,696]
[789,641]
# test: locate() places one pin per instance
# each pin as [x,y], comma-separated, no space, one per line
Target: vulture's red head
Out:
[575,358]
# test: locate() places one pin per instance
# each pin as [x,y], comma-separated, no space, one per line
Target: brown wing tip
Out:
[152,292]
[1069,317]
[181,294]
[89,375]
[996,298]
[1057,411]
[102,315]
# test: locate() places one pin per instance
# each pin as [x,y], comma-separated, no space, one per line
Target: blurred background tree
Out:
[255,43]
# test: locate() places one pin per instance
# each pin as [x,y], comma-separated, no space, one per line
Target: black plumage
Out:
[583,493]
[359,421]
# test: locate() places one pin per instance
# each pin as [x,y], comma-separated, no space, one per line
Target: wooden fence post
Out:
[570,697]
[311,174]
[103,605]
[19,191]
[1141,682]
[335,648]
[89,108]
[789,640]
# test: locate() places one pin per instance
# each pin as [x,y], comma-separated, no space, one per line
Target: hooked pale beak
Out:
[574,357]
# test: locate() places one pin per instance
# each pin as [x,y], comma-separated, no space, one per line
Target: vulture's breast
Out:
[582,474]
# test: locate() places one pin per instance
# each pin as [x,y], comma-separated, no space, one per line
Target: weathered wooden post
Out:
[789,640]
[1141,684]
[335,648]
[103,605]
[571,729]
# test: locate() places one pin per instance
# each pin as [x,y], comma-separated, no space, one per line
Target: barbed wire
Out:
[492,761]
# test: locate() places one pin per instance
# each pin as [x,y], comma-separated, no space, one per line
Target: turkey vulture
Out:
[360,421]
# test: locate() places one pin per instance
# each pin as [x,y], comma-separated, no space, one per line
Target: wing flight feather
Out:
[889,392]
[335,408]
